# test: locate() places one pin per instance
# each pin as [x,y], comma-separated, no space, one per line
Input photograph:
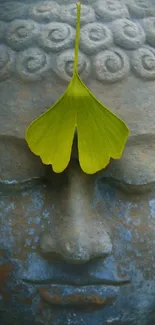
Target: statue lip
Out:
[65,295]
[79,283]
[100,276]
[82,287]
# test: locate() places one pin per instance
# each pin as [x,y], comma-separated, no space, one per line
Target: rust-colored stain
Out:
[27,301]
[4,274]
[45,295]
[141,228]
[17,290]
[56,290]
[85,299]
[23,93]
[3,253]
[73,299]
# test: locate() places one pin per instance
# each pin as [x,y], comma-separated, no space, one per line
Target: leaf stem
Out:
[76,51]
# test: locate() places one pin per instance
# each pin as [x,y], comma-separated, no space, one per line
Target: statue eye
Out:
[126,188]
[134,173]
[17,163]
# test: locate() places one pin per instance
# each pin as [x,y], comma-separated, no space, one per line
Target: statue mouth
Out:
[70,296]
[117,282]
[91,285]
[64,295]
[82,296]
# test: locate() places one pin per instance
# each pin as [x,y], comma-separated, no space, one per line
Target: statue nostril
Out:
[103,245]
[47,244]
[75,252]
[76,248]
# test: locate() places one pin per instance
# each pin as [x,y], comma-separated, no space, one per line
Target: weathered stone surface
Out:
[141,8]
[44,11]
[149,27]
[111,65]
[75,248]
[68,14]
[32,64]
[105,24]
[95,37]
[56,37]
[143,62]
[128,34]
[2,29]
[17,163]
[136,166]
[6,62]
[21,34]
[111,9]
[64,65]
[10,10]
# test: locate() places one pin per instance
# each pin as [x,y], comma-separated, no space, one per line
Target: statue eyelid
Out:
[129,188]
[134,173]
[17,164]
[12,187]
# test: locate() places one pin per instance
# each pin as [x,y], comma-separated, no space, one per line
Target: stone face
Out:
[77,248]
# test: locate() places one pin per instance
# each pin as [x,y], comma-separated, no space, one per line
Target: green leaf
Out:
[101,134]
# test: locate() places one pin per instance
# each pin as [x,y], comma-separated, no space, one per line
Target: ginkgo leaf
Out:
[101,134]
[51,135]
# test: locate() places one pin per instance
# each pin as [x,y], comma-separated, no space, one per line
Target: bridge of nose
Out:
[79,234]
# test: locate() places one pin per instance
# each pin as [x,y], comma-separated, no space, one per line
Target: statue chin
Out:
[77,248]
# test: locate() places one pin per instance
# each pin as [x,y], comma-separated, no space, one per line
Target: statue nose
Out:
[77,233]
[77,245]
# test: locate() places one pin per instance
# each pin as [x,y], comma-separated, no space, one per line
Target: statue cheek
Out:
[5,272]
[18,238]
[21,221]
[12,288]
[134,235]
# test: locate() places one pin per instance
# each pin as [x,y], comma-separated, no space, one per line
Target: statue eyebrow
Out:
[145,138]
[12,137]
[132,140]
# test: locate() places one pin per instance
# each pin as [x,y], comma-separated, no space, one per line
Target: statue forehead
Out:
[116,59]
[132,100]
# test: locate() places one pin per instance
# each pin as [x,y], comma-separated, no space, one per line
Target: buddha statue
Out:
[77,248]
